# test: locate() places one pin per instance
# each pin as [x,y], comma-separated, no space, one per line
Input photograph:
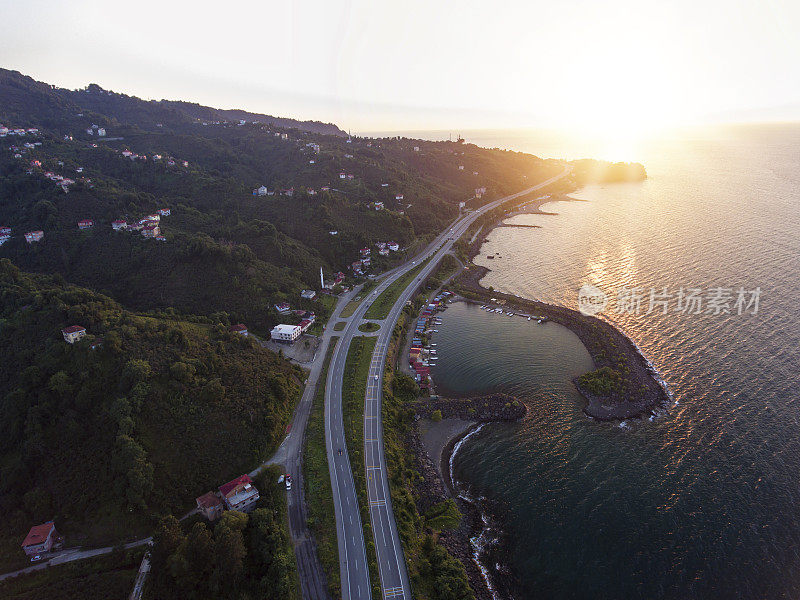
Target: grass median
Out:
[383,303]
[354,389]
[319,496]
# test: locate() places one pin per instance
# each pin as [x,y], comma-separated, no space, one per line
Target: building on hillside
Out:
[460,167]
[398,197]
[305,324]
[210,506]
[342,175]
[379,206]
[364,252]
[416,148]
[164,212]
[42,538]
[366,261]
[283,308]
[239,494]
[384,251]
[73,333]
[393,246]
[85,224]
[5,230]
[4,238]
[151,231]
[34,236]
[160,238]
[308,294]
[241,329]
[261,191]
[285,333]
[334,232]
[101,131]
[119,224]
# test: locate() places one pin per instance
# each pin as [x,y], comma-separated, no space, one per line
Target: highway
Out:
[353,567]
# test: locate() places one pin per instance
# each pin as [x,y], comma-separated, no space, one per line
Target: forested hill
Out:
[105,438]
[224,249]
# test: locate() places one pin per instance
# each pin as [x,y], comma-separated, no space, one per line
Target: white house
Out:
[73,333]
[285,333]
[393,246]
[398,197]
[308,294]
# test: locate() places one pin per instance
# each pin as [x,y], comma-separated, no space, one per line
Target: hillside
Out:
[104,439]
[224,249]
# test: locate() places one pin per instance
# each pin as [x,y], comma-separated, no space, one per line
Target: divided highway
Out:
[352,554]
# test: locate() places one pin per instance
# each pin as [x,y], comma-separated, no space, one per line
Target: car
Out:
[288,481]
[376,378]
[36,558]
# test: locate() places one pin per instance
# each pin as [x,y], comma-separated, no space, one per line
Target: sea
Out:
[700,267]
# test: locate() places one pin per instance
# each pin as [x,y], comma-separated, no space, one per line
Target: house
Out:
[384,251]
[384,185]
[366,261]
[85,224]
[164,212]
[305,324]
[210,506]
[4,238]
[333,232]
[96,343]
[308,294]
[282,308]
[342,175]
[150,231]
[101,132]
[239,494]
[350,176]
[73,333]
[393,246]
[285,333]
[41,538]
[118,224]
[241,329]
[364,252]
[398,197]
[34,236]
[416,148]
[460,167]
[5,230]
[379,206]
[160,238]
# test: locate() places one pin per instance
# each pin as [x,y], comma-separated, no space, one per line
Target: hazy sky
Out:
[410,64]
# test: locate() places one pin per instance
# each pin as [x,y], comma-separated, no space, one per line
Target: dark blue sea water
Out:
[703,502]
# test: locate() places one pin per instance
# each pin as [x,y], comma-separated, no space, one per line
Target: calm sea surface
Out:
[703,502]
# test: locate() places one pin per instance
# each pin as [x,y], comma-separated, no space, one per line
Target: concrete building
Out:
[73,333]
[285,333]
[239,494]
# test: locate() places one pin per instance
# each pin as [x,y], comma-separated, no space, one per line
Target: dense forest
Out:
[104,439]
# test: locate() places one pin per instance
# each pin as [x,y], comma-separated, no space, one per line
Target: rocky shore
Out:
[435,486]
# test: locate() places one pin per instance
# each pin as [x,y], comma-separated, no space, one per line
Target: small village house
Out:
[164,212]
[34,236]
[398,197]
[393,246]
[73,333]
[119,224]
[308,294]
[41,538]
[5,230]
[150,231]
[282,308]
[285,333]
[210,506]
[379,206]
[239,494]
[85,224]
[240,328]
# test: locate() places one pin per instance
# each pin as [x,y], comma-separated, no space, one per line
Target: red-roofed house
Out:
[119,224]
[41,538]
[305,324]
[85,224]
[5,230]
[241,329]
[73,333]
[151,231]
[239,494]
[282,308]
[34,236]
[210,506]
[164,212]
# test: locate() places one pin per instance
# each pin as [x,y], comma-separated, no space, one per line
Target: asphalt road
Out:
[352,555]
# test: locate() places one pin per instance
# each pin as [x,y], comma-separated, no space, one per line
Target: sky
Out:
[369,65]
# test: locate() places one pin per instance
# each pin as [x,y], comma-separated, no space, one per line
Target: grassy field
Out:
[383,304]
[319,497]
[353,394]
[109,577]
[369,327]
[339,326]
